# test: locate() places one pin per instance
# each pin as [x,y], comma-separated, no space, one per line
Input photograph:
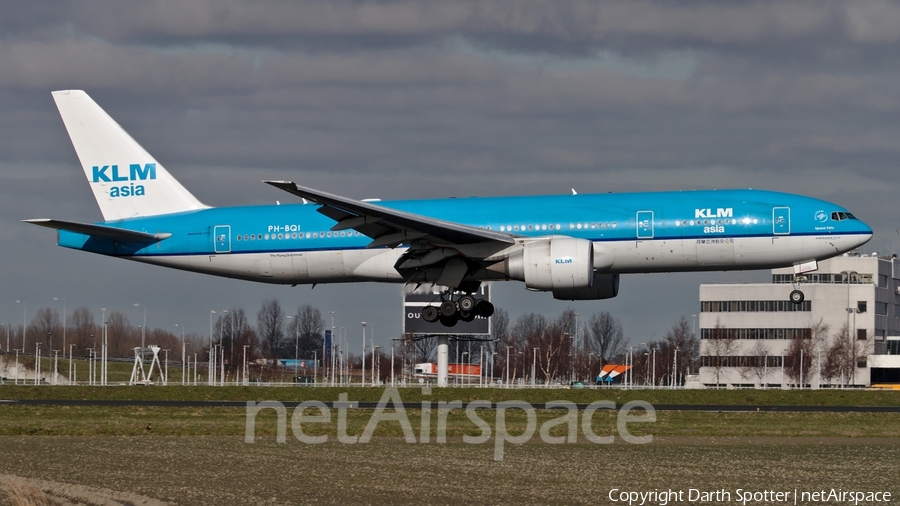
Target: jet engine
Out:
[558,263]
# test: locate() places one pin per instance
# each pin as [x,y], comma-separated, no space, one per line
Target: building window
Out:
[769,306]
[861,334]
[751,333]
[861,306]
[881,308]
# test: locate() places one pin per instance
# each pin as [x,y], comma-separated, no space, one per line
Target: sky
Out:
[407,99]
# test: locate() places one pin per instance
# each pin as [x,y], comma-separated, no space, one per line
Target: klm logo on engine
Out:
[563,260]
[719,213]
[135,172]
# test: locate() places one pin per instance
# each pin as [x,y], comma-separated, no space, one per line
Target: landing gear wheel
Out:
[797,297]
[467,303]
[467,316]
[484,308]
[448,308]
[430,314]
[449,321]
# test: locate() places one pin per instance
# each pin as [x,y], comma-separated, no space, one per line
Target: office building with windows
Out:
[846,333]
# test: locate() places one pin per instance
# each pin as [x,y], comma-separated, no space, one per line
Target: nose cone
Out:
[865,234]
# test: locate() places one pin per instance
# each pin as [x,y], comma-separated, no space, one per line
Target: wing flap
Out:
[118,234]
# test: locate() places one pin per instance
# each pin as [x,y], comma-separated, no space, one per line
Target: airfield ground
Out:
[197,455]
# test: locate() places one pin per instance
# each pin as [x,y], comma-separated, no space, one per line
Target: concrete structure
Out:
[843,334]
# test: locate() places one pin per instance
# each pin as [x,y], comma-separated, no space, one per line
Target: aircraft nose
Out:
[865,234]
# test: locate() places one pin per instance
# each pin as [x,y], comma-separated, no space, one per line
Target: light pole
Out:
[654,366]
[37,361]
[211,370]
[766,371]
[493,354]
[675,369]
[245,363]
[182,354]
[533,367]
[63,325]
[852,339]
[847,275]
[801,369]
[325,355]
[143,329]
[376,371]
[296,344]
[24,322]
[363,380]
[507,365]
[71,366]
[103,346]
[465,379]
[7,337]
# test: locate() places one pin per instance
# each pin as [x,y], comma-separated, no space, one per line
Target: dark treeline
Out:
[567,347]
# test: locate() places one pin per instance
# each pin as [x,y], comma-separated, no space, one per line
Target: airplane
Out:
[574,246]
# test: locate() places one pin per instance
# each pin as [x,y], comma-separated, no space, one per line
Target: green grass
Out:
[533,396]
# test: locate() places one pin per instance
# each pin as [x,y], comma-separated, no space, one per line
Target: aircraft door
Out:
[222,238]
[644,224]
[781,220]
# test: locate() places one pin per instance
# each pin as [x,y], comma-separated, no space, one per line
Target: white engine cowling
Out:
[605,286]
[559,263]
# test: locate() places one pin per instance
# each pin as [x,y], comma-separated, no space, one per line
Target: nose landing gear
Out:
[797,296]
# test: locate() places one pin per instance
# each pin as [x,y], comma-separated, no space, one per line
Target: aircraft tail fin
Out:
[126,180]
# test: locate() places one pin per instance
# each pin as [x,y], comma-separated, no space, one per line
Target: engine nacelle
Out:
[605,286]
[558,263]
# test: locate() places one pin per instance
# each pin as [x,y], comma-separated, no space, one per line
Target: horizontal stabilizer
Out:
[118,234]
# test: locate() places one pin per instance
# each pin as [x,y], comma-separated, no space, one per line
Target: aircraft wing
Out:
[390,227]
[118,234]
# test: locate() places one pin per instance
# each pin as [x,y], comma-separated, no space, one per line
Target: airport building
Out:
[846,333]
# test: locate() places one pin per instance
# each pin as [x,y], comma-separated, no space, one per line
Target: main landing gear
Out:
[450,311]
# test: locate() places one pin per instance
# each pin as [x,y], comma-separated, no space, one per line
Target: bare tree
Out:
[680,337]
[605,337]
[718,348]
[270,328]
[119,336]
[756,367]
[308,327]
[799,358]
[46,326]
[422,347]
[82,328]
[844,354]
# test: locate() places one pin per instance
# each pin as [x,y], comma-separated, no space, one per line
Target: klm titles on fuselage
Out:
[111,174]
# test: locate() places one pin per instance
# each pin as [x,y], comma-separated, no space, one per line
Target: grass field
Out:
[190,455]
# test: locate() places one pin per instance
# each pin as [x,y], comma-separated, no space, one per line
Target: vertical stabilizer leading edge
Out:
[127,182]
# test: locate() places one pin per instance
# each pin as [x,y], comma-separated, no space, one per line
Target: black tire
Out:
[449,321]
[467,303]
[797,297]
[431,314]
[484,308]
[467,316]
[448,308]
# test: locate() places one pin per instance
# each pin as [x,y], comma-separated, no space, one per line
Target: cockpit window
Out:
[841,216]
